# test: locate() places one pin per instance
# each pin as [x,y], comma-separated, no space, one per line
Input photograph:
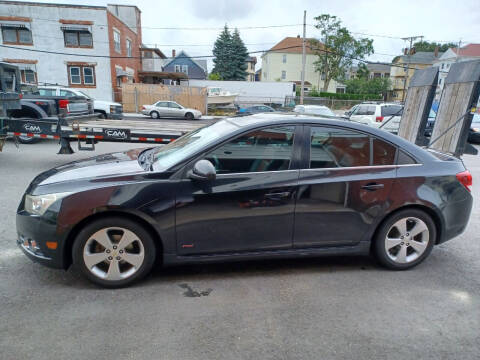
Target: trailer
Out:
[88,131]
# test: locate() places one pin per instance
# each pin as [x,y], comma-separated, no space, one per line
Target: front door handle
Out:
[372,186]
[278,195]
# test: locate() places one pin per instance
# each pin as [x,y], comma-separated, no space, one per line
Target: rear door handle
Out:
[277,196]
[372,186]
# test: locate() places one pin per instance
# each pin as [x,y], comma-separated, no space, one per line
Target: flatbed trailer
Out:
[89,130]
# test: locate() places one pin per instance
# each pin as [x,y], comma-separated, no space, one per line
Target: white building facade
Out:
[57,34]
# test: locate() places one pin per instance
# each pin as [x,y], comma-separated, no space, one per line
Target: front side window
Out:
[332,148]
[116,41]
[174,105]
[162,104]
[67,93]
[365,110]
[259,150]
[16,35]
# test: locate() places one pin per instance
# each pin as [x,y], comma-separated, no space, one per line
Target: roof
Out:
[163,74]
[378,67]
[421,57]
[252,59]
[306,83]
[155,50]
[202,63]
[25,3]
[292,45]
[468,50]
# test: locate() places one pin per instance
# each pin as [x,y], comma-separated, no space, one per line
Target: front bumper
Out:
[33,233]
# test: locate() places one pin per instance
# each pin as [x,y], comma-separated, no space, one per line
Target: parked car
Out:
[314,110]
[374,114]
[474,134]
[257,187]
[103,108]
[170,109]
[351,111]
[256,109]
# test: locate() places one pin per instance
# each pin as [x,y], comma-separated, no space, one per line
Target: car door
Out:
[162,108]
[250,205]
[344,186]
[363,114]
[175,110]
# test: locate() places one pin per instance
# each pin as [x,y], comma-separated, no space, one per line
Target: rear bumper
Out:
[115,116]
[457,216]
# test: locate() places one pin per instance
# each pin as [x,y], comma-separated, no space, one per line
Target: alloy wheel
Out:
[406,240]
[113,253]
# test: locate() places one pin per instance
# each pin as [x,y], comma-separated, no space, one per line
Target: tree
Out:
[430,46]
[368,86]
[230,56]
[362,71]
[339,48]
[214,76]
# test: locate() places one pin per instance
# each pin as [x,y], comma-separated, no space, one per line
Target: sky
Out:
[385,22]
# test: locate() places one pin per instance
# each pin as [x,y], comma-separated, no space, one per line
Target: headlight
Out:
[112,109]
[38,204]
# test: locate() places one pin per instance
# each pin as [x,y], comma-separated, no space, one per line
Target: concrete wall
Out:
[273,65]
[47,35]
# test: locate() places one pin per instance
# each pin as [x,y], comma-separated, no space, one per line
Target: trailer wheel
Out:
[16,114]
[154,115]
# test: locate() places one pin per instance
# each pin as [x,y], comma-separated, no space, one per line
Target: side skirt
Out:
[362,248]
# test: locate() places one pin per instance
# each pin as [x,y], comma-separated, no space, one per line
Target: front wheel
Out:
[114,252]
[405,239]
[189,116]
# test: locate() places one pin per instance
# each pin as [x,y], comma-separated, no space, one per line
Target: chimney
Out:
[436,51]
[173,53]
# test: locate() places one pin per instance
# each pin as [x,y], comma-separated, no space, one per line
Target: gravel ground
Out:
[326,308]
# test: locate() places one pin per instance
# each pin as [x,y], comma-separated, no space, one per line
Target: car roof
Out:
[245,123]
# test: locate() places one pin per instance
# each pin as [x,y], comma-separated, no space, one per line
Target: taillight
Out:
[143,108]
[379,119]
[465,179]
[63,104]
[20,96]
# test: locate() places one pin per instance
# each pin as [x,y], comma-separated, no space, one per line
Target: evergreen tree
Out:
[240,53]
[230,56]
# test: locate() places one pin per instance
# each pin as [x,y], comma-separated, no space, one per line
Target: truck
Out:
[67,123]
[103,108]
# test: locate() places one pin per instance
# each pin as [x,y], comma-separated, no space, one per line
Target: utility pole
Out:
[407,67]
[458,50]
[302,82]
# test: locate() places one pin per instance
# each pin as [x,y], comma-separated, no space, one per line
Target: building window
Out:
[81,75]
[284,59]
[185,69]
[116,41]
[340,90]
[16,35]
[28,76]
[178,68]
[80,38]
[284,74]
[129,47]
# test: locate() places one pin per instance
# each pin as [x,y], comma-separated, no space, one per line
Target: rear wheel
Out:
[189,116]
[100,115]
[114,252]
[405,239]
[154,115]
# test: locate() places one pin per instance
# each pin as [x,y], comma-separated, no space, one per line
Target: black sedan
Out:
[264,186]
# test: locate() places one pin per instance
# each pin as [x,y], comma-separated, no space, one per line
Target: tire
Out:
[155,115]
[189,116]
[27,140]
[108,266]
[401,253]
[101,115]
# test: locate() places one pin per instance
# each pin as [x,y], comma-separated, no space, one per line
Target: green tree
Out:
[430,46]
[230,56]
[214,76]
[362,71]
[368,86]
[339,47]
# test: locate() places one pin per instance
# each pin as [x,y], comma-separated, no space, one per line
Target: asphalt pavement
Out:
[325,308]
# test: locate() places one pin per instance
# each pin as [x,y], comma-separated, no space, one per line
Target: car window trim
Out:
[370,167]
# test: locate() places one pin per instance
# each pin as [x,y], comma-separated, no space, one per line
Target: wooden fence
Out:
[136,95]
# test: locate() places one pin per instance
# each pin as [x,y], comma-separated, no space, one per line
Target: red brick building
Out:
[125,38]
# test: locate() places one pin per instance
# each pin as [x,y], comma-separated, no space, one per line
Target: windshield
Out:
[188,145]
[81,92]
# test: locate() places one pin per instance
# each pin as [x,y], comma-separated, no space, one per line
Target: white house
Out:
[452,55]
[46,39]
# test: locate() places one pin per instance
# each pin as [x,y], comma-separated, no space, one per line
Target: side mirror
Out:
[202,170]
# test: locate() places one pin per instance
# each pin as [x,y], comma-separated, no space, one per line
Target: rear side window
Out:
[404,159]
[365,110]
[383,153]
[47,92]
[338,148]
[392,110]
[260,150]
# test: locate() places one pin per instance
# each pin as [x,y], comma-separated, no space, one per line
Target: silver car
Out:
[170,109]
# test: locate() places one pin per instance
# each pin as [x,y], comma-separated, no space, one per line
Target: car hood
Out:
[106,165]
